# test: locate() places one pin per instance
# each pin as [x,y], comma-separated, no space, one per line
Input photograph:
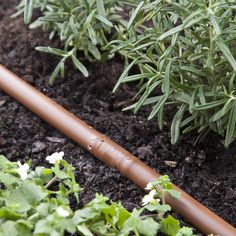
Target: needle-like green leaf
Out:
[134,15]
[231,126]
[225,50]
[28,10]
[175,126]
[80,66]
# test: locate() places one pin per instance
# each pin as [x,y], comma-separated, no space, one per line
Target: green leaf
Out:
[104,20]
[8,229]
[147,227]
[101,8]
[43,209]
[209,105]
[170,226]
[60,173]
[160,118]
[94,51]
[116,214]
[166,83]
[182,97]
[73,25]
[88,21]
[145,95]
[215,24]
[100,228]
[92,35]
[142,46]
[231,82]
[24,228]
[8,214]
[79,66]
[186,24]
[231,126]
[67,225]
[175,125]
[218,115]
[84,215]
[135,14]
[54,51]
[158,106]
[5,163]
[84,230]
[56,71]
[124,74]
[164,182]
[174,193]
[158,208]
[225,50]
[64,4]
[43,227]
[192,70]
[26,196]
[185,231]
[132,78]
[8,179]
[54,17]
[62,69]
[28,11]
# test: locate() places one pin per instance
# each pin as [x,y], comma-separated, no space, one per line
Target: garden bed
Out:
[206,171]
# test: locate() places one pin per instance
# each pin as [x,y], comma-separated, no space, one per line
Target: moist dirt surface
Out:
[207,171]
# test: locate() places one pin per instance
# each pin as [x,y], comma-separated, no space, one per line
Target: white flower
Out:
[55,157]
[149,198]
[149,186]
[22,170]
[62,212]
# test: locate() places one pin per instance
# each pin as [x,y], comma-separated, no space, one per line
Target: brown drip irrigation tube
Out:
[109,152]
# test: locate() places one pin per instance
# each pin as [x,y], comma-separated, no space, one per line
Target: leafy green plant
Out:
[186,55]
[182,52]
[37,202]
[82,26]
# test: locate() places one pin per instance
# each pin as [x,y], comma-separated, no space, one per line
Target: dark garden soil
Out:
[206,171]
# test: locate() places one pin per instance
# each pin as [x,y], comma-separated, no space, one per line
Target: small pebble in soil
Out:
[38,146]
[56,140]
[189,159]
[2,102]
[12,54]
[2,141]
[145,152]
[172,164]
[201,158]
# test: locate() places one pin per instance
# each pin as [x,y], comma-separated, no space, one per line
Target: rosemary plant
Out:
[184,51]
[82,26]
[186,55]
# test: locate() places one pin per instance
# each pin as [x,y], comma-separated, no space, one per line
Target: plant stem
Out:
[148,215]
[54,179]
